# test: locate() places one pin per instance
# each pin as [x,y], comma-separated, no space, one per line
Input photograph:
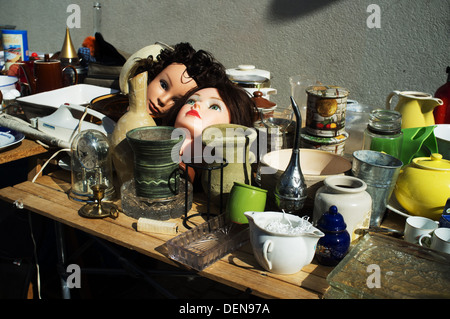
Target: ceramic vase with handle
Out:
[137,116]
[416,108]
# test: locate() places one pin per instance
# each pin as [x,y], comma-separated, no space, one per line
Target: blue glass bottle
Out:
[333,247]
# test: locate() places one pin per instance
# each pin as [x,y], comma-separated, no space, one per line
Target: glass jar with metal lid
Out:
[383,132]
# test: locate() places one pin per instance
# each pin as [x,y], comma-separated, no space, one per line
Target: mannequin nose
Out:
[164,100]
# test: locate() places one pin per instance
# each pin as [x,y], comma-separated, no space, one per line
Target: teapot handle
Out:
[389,98]
[74,71]
[267,248]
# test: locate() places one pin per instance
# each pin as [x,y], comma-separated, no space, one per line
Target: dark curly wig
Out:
[200,65]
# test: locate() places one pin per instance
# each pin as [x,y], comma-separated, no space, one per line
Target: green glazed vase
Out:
[156,160]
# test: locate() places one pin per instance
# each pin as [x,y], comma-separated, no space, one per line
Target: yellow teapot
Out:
[423,187]
[416,108]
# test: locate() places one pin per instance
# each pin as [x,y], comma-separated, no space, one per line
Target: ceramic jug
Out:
[137,116]
[282,252]
[416,107]
[47,75]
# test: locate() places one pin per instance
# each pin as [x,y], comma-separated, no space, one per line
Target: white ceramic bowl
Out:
[316,166]
[7,83]
[442,133]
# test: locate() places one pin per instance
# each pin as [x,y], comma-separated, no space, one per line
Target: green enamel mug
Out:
[244,198]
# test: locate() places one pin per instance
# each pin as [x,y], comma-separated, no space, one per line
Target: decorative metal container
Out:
[290,190]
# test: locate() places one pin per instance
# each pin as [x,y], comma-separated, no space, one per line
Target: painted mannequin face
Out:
[202,109]
[169,85]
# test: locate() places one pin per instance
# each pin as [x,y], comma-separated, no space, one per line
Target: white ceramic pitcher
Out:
[282,253]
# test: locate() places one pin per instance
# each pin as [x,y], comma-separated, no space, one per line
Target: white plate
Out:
[5,139]
[395,207]
[9,137]
[80,94]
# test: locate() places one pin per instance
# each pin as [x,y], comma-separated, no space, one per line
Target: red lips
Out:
[193,113]
[152,108]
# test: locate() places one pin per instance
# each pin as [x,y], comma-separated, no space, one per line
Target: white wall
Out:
[327,39]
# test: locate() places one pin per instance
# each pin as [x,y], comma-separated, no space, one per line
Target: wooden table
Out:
[48,196]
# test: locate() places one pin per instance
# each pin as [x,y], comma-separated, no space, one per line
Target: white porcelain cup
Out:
[438,240]
[417,226]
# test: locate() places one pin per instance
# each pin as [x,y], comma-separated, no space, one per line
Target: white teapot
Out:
[282,243]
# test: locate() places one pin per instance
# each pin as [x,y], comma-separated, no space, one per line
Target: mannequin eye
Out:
[190,101]
[164,85]
[215,107]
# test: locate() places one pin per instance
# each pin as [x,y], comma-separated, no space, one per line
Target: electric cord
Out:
[19,204]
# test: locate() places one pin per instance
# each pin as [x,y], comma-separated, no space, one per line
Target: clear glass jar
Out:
[383,133]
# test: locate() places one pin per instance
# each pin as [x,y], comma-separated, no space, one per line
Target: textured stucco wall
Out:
[327,39]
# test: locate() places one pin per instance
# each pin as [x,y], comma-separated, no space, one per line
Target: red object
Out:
[90,43]
[442,112]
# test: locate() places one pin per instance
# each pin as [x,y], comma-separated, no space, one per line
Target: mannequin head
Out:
[175,72]
[204,106]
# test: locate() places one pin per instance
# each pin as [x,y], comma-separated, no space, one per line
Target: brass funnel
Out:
[68,51]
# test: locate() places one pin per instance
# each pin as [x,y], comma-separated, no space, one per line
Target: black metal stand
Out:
[209,169]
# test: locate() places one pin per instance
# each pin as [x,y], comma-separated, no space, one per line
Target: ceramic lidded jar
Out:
[332,247]
[349,195]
